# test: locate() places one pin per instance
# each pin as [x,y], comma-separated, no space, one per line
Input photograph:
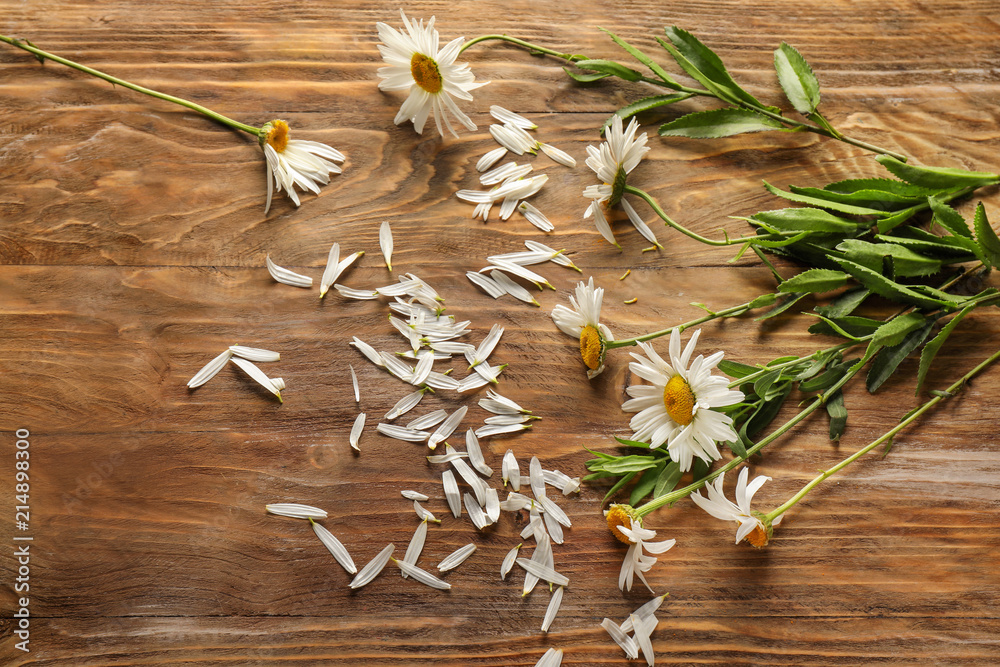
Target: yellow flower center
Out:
[619,515]
[425,72]
[679,400]
[591,347]
[757,537]
[277,136]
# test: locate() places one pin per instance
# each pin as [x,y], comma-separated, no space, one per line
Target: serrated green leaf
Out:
[804,219]
[949,218]
[850,209]
[890,289]
[890,222]
[936,177]
[845,304]
[783,304]
[986,237]
[906,262]
[702,64]
[585,78]
[892,332]
[763,300]
[609,67]
[735,369]
[644,59]
[888,185]
[950,249]
[719,123]
[737,448]
[796,79]
[646,484]
[814,281]
[885,363]
[668,479]
[934,346]
[838,415]
[645,104]
[883,201]
[832,327]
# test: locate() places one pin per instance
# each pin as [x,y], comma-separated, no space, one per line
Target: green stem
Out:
[520,42]
[125,84]
[728,312]
[950,391]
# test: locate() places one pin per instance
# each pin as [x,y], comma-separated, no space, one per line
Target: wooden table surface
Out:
[132,244]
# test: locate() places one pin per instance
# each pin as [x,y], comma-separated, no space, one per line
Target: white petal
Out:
[405,404]
[624,641]
[492,504]
[372,569]
[351,293]
[258,375]
[354,381]
[368,351]
[511,471]
[500,429]
[476,514]
[643,612]
[490,159]
[287,277]
[338,550]
[512,288]
[254,353]
[210,370]
[456,558]
[330,272]
[476,453]
[385,242]
[359,426]
[451,493]
[428,420]
[643,629]
[508,562]
[543,572]
[400,433]
[424,513]
[510,118]
[414,495]
[551,658]
[488,285]
[295,511]
[552,609]
[423,576]
[416,545]
[447,427]
[560,156]
[535,217]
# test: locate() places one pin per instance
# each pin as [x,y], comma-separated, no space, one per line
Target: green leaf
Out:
[825,380]
[986,237]
[892,332]
[932,348]
[619,484]
[783,304]
[645,104]
[644,59]
[737,448]
[949,218]
[886,185]
[888,359]
[950,249]
[763,415]
[838,415]
[853,327]
[762,385]
[632,463]
[585,78]
[632,443]
[796,79]
[883,201]
[610,68]
[804,219]
[719,123]
[889,223]
[763,300]
[831,327]
[814,280]
[845,304]
[646,484]
[850,209]
[668,479]
[936,177]
[703,65]
[764,242]
[906,262]
[735,369]
[882,286]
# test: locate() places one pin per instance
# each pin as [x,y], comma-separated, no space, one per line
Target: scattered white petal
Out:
[400,433]
[506,138]
[359,426]
[540,557]
[510,118]
[506,420]
[552,609]
[416,545]
[451,493]
[279,383]
[623,640]
[553,527]
[560,156]
[405,404]
[424,513]
[476,453]
[524,139]
[295,511]
[508,562]
[643,629]
[535,217]
[500,405]
[452,347]
[372,569]
[552,658]
[354,381]
[447,427]
[351,293]
[469,475]
[511,170]
[487,284]
[492,504]
[258,375]
[414,495]
[254,353]
[330,272]
[561,481]
[441,381]
[516,502]
[449,456]
[494,429]
[510,471]
[338,550]
[554,510]
[368,351]
[385,242]
[287,277]
[423,576]
[643,612]
[558,256]
[210,370]
[512,288]
[490,159]
[456,558]
[485,348]
[479,518]
[428,420]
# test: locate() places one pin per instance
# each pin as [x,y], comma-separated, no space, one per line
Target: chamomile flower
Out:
[292,162]
[677,408]
[752,528]
[583,322]
[429,73]
[612,162]
[626,526]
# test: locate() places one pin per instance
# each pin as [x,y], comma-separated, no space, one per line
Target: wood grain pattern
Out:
[132,246]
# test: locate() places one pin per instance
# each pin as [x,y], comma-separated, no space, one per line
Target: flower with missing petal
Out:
[292,162]
[583,322]
[612,162]
[678,407]
[752,528]
[430,74]
[626,526]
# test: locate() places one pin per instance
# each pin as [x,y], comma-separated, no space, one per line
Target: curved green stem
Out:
[520,42]
[139,89]
[728,312]
[950,391]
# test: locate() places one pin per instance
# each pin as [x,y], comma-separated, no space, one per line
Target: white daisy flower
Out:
[430,74]
[677,408]
[627,528]
[752,528]
[612,162]
[583,322]
[292,162]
